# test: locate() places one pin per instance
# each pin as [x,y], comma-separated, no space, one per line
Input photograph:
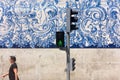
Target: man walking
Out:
[13,70]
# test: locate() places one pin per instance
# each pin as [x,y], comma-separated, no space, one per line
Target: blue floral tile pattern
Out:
[33,23]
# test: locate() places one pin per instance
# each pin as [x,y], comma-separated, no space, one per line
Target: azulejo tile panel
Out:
[33,23]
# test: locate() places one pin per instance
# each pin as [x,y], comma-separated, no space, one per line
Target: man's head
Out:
[12,59]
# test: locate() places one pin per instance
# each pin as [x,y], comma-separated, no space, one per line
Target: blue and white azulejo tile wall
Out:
[33,23]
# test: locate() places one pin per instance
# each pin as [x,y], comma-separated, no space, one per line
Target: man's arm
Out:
[4,75]
[16,73]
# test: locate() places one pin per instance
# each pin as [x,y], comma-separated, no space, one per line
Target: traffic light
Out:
[72,63]
[60,39]
[71,20]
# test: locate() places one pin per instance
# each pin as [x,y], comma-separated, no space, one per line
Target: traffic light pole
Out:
[68,56]
[70,19]
[68,45]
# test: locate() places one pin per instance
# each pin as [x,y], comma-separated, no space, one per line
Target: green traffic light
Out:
[60,43]
[60,39]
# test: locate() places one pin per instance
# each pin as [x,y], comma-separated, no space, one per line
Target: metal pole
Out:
[68,55]
[68,43]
